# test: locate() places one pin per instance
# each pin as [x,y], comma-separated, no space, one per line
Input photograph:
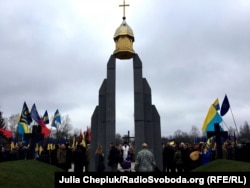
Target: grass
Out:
[27,174]
[32,173]
[222,165]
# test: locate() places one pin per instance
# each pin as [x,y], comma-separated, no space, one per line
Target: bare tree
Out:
[2,121]
[12,122]
[178,133]
[231,130]
[118,139]
[195,132]
[64,130]
[180,136]
[245,132]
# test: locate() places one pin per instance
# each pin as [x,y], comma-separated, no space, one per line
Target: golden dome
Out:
[124,38]
[124,30]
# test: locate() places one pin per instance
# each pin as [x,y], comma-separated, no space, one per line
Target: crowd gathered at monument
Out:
[176,157]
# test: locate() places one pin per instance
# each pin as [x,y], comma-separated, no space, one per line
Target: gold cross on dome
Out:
[124,5]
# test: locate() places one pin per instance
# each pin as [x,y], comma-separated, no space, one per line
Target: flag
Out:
[40,149]
[82,139]
[88,135]
[208,141]
[12,145]
[50,146]
[211,118]
[225,106]
[6,133]
[57,118]
[171,143]
[22,128]
[73,142]
[216,104]
[34,114]
[46,117]
[25,115]
[44,129]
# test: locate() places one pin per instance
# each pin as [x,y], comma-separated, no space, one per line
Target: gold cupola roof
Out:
[124,38]
[124,30]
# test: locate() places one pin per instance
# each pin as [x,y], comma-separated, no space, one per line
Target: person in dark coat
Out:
[99,160]
[87,158]
[68,156]
[79,157]
[168,157]
[61,157]
[53,155]
[113,157]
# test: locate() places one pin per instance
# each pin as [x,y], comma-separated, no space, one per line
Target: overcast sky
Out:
[54,53]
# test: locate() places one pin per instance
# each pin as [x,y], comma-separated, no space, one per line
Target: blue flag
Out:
[225,106]
[46,117]
[216,104]
[34,114]
[25,115]
[211,118]
[56,119]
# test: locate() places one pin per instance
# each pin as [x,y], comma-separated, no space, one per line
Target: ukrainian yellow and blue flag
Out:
[46,117]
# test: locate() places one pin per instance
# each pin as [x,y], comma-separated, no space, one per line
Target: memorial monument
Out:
[147,126]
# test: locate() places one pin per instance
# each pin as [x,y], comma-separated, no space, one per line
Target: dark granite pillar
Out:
[103,119]
[147,119]
[110,124]
[156,124]
[94,138]
[138,104]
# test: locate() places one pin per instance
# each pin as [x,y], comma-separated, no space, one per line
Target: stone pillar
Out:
[138,104]
[147,119]
[103,119]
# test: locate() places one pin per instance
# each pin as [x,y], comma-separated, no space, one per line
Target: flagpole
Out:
[234,122]
[225,124]
[50,148]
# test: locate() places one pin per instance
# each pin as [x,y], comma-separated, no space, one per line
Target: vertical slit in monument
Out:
[124,97]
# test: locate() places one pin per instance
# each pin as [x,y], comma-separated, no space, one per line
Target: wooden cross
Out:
[124,5]
[128,137]
[218,134]
[33,138]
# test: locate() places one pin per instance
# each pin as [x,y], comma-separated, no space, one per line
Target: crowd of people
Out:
[176,157]
[182,157]
[123,155]
[61,155]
